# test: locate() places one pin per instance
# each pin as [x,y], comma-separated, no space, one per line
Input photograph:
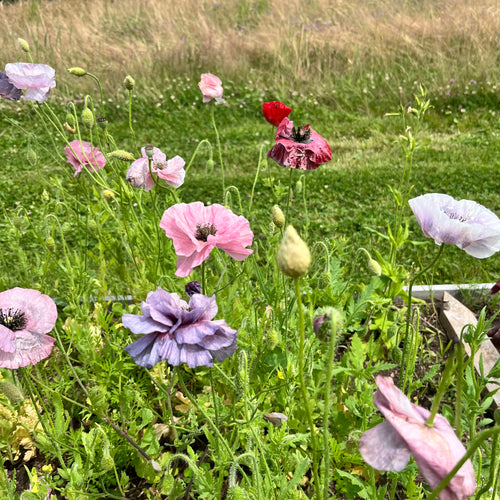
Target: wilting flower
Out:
[179,332]
[171,171]
[37,79]
[81,154]
[7,90]
[300,148]
[275,111]
[25,317]
[436,449]
[211,87]
[196,230]
[463,223]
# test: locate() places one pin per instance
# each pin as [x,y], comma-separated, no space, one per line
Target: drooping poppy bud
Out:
[294,257]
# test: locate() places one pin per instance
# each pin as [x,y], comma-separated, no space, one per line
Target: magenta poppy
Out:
[436,449]
[211,87]
[37,79]
[275,111]
[196,230]
[495,288]
[171,171]
[26,316]
[300,148]
[179,332]
[83,154]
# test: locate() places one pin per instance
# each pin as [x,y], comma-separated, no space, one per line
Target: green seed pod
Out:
[24,44]
[294,257]
[149,151]
[278,217]
[122,155]
[77,71]
[32,157]
[88,118]
[50,244]
[13,393]
[129,83]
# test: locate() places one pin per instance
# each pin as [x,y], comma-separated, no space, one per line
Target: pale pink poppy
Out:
[196,230]
[300,148]
[37,79]
[83,154]
[25,317]
[171,171]
[211,87]
[436,449]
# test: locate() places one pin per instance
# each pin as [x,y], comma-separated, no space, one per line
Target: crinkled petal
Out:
[145,351]
[8,90]
[143,325]
[30,349]
[7,339]
[173,173]
[38,79]
[383,448]
[194,355]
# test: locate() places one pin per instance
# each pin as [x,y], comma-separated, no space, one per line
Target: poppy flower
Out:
[171,171]
[37,79]
[83,154]
[463,223]
[211,87]
[179,332]
[7,90]
[196,230]
[300,148]
[436,449]
[26,316]
[495,288]
[275,111]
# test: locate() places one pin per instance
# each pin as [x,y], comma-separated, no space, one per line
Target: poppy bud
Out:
[102,121]
[273,339]
[70,119]
[88,118]
[107,462]
[298,187]
[210,164]
[294,257]
[278,217]
[330,322]
[50,244]
[108,195]
[92,225]
[374,267]
[77,71]
[13,393]
[122,155]
[32,156]
[236,493]
[45,196]
[24,44]
[192,288]
[129,83]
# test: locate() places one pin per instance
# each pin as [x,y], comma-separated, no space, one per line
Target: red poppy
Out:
[300,147]
[275,111]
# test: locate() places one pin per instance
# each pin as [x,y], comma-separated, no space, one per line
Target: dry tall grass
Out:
[288,43]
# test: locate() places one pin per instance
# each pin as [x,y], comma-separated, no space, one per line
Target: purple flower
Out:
[436,449]
[463,223]
[179,332]
[7,90]
[38,79]
[25,317]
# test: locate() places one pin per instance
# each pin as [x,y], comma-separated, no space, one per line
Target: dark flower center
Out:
[13,319]
[302,134]
[202,232]
[453,215]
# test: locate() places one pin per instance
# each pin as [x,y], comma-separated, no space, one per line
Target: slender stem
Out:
[459,348]
[130,119]
[303,389]
[220,153]
[288,196]
[256,178]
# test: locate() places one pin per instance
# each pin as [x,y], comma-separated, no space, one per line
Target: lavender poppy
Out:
[179,332]
[7,90]
[26,316]
[436,449]
[301,148]
[463,223]
[37,79]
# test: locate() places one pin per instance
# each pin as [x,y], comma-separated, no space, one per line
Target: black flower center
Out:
[453,215]
[202,232]
[13,319]
[302,134]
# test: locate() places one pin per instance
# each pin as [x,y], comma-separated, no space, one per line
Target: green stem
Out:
[288,196]
[459,348]
[303,389]
[130,119]
[220,153]
[482,436]
[256,178]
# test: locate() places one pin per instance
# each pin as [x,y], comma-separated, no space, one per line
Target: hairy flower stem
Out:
[482,436]
[219,149]
[459,348]
[130,119]
[256,178]
[288,197]
[444,382]
[303,390]
[404,373]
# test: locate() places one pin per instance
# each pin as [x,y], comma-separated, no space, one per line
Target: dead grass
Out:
[287,43]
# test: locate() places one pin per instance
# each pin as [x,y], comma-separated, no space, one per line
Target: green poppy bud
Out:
[102,121]
[70,119]
[50,244]
[108,195]
[122,155]
[32,156]
[13,393]
[77,71]
[374,267]
[278,217]
[129,83]
[24,44]
[294,257]
[88,118]
[210,164]
[328,323]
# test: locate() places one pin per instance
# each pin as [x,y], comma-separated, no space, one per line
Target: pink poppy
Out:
[171,171]
[300,148]
[38,79]
[211,87]
[25,317]
[436,449]
[81,154]
[275,111]
[196,230]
